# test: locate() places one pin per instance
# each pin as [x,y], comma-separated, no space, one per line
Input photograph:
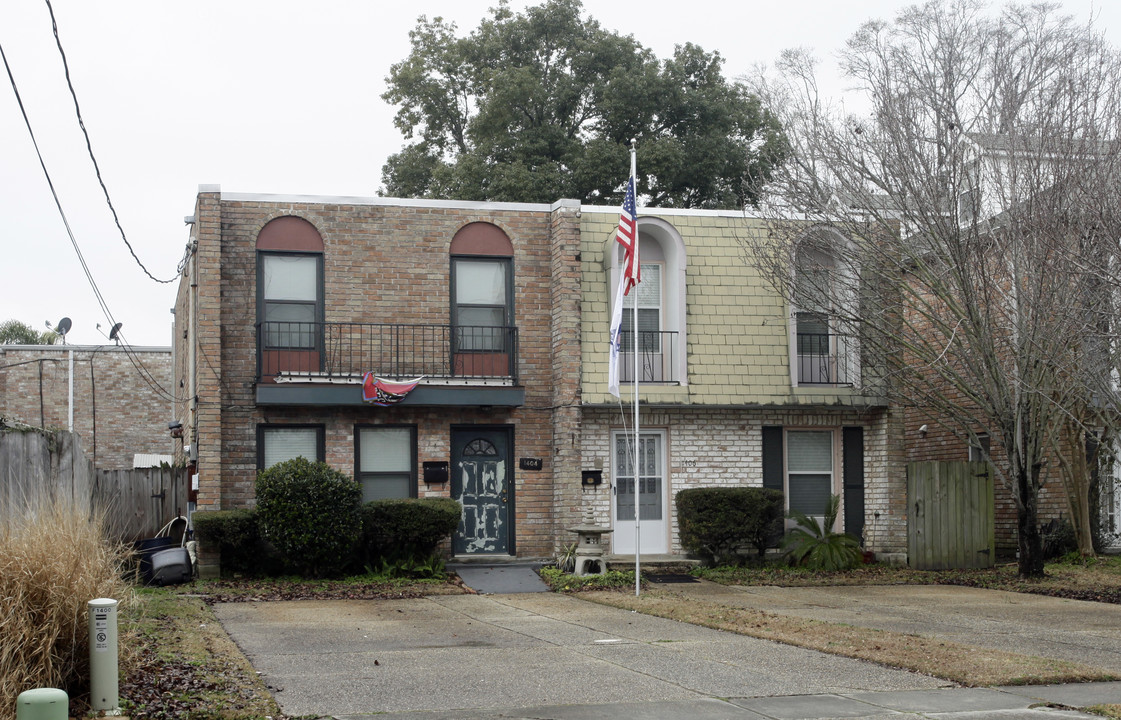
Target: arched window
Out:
[660,300]
[482,300]
[821,352]
[289,296]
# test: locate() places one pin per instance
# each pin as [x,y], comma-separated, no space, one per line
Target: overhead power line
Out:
[89,149]
[141,369]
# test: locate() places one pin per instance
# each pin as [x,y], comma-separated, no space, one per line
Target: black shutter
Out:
[852,475]
[773,469]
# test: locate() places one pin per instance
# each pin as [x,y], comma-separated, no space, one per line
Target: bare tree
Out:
[966,228]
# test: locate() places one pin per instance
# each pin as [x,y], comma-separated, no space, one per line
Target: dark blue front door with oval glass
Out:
[481,483]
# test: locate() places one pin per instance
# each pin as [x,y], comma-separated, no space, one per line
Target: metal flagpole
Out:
[637,437]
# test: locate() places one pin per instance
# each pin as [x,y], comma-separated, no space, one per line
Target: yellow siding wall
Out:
[736,322]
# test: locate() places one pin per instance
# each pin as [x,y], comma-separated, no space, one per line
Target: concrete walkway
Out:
[548,656]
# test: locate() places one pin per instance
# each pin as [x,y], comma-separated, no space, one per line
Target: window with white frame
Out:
[278,443]
[824,294]
[386,459]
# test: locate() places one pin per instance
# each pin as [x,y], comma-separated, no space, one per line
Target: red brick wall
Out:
[121,405]
[388,264]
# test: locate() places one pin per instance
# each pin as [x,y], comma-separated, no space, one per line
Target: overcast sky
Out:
[259,96]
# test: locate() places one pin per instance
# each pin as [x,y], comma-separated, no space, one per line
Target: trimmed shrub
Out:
[407,529]
[236,535]
[714,523]
[310,513]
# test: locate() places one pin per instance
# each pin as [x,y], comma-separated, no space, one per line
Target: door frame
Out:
[664,542]
[511,504]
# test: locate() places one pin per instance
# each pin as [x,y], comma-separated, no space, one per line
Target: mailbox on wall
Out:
[591,477]
[435,472]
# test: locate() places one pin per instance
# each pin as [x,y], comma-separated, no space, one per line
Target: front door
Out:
[652,527]
[481,476]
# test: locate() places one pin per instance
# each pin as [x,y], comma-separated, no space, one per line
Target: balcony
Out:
[338,355]
[823,359]
[657,352]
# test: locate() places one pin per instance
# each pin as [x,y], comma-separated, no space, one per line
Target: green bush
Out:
[237,537]
[310,513]
[714,523]
[812,545]
[407,529]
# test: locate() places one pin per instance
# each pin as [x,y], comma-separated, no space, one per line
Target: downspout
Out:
[192,345]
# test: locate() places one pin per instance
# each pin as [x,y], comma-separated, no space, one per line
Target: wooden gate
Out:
[950,515]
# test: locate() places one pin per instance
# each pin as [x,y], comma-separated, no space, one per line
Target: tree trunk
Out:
[1028,538]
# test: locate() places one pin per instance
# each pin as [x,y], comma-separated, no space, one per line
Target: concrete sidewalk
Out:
[553,656]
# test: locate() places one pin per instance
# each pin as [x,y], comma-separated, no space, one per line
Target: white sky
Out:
[260,96]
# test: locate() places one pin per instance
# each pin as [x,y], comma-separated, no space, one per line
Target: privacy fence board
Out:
[41,467]
[950,515]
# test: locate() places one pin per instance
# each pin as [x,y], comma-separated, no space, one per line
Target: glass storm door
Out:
[651,482]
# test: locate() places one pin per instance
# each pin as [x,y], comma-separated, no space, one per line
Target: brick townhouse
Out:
[117,399]
[736,387]
[288,302]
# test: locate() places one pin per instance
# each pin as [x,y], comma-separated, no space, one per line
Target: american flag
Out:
[628,238]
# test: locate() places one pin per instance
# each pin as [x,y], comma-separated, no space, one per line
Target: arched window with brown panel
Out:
[484,339]
[289,298]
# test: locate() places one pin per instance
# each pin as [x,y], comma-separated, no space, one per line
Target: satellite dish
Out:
[63,326]
[115,331]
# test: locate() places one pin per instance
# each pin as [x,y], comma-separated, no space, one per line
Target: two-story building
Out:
[736,388]
[290,306]
[292,309]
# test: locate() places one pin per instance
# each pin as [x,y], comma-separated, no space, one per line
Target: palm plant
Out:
[819,548]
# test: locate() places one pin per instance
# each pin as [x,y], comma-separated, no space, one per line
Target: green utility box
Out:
[42,704]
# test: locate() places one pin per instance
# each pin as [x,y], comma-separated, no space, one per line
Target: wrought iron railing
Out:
[295,349]
[823,360]
[657,357]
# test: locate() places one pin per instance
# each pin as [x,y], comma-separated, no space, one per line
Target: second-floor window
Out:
[821,355]
[482,303]
[291,299]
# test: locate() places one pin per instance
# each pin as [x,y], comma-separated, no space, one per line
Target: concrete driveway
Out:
[548,656]
[474,652]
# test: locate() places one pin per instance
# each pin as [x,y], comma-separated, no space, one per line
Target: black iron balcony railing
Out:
[657,357]
[823,360]
[295,349]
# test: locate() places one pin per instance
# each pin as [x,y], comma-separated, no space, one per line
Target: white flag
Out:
[616,338]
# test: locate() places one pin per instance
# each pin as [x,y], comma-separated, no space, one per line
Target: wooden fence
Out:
[951,509]
[43,467]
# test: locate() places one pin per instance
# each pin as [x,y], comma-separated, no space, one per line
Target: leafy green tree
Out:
[14,332]
[543,104]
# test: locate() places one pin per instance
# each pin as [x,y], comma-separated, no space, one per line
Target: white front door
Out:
[652,495]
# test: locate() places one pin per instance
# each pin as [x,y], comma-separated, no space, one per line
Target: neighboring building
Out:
[287,302]
[737,388]
[117,399]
